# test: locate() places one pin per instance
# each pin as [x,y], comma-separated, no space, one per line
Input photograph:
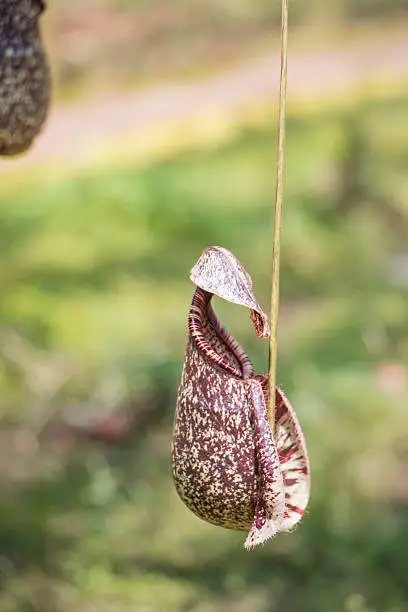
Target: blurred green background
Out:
[94,298]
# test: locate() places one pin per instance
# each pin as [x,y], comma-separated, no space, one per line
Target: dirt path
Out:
[74,133]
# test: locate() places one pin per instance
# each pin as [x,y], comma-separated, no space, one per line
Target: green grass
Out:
[94,270]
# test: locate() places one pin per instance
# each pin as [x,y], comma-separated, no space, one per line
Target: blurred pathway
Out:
[74,133]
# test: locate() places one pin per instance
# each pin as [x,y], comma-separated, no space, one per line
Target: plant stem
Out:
[273,341]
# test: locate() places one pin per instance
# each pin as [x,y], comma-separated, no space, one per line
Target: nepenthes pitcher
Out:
[228,467]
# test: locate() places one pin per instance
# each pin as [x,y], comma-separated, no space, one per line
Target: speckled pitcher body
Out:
[227,466]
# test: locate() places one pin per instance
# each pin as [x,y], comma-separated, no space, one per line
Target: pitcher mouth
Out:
[201,312]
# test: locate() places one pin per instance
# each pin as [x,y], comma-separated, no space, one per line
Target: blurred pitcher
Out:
[24,75]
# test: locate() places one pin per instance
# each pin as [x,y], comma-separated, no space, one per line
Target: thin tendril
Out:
[273,341]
